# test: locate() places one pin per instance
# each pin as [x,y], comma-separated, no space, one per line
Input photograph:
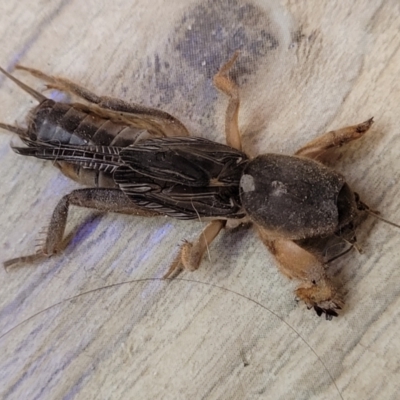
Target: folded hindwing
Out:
[185,178]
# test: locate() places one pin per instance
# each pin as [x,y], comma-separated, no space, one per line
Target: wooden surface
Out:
[97,322]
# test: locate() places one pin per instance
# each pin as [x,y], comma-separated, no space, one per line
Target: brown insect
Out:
[141,161]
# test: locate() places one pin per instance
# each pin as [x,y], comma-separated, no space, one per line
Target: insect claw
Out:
[13,262]
[175,269]
[318,310]
[364,126]
[173,273]
[329,312]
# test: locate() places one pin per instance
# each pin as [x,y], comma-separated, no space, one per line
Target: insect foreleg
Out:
[191,254]
[316,290]
[333,139]
[109,200]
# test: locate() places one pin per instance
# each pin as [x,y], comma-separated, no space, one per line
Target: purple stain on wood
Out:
[85,230]
[58,96]
[154,241]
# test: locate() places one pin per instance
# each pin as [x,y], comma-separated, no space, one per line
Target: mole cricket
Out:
[142,161]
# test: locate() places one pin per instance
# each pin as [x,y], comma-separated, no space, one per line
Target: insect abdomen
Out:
[78,125]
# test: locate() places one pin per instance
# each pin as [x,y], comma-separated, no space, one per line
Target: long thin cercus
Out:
[142,161]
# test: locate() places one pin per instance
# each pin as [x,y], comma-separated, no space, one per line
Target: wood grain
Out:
[97,321]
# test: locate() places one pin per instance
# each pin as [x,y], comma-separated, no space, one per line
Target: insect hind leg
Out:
[63,84]
[156,121]
[107,200]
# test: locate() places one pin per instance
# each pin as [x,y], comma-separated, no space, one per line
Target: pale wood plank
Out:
[232,329]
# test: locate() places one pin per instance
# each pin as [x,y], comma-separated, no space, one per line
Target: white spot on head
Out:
[247,183]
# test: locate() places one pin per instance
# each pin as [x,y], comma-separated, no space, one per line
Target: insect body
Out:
[141,161]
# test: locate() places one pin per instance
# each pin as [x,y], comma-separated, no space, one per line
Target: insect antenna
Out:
[363,207]
[38,96]
[340,254]
[376,215]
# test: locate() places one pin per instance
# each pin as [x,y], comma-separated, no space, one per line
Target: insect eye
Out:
[314,282]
